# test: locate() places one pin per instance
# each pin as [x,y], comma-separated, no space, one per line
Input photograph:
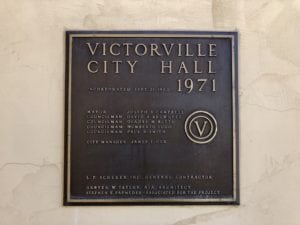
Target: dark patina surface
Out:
[151,118]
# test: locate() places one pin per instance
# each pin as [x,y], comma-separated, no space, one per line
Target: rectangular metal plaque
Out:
[151,118]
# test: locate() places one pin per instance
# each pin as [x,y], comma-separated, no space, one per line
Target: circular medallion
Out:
[200,127]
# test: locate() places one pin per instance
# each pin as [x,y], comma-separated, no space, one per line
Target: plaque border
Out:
[68,201]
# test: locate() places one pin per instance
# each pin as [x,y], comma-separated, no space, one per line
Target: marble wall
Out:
[32,107]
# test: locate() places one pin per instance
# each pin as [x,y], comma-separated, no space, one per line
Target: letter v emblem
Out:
[200,130]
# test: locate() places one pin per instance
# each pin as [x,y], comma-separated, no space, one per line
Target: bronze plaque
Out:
[151,118]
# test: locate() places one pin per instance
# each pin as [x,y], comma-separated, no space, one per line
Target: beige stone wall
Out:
[32,107]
